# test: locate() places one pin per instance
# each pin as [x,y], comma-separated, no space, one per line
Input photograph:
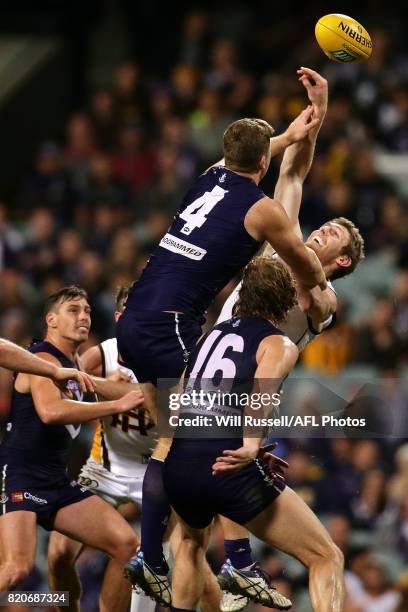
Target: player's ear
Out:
[263,163]
[51,319]
[344,261]
[117,315]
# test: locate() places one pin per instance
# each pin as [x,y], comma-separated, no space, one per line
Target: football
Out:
[343,39]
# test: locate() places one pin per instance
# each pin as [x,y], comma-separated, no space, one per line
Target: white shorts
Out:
[113,488]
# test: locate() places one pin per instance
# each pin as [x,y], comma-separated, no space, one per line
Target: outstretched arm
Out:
[297,131]
[17,359]
[56,410]
[298,158]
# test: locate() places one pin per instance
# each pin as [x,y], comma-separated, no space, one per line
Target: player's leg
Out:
[155,514]
[62,574]
[290,525]
[18,539]
[116,590]
[148,569]
[237,546]
[188,577]
[211,596]
[95,523]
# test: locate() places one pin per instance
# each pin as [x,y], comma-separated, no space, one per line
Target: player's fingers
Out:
[315,75]
[87,384]
[223,468]
[313,123]
[227,460]
[277,460]
[269,447]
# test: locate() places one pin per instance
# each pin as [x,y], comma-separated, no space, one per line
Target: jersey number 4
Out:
[195,214]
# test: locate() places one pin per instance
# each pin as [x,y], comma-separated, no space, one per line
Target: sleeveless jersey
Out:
[205,247]
[121,440]
[31,444]
[298,326]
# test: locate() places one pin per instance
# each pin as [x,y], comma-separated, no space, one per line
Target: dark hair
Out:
[245,141]
[72,292]
[121,297]
[354,248]
[267,290]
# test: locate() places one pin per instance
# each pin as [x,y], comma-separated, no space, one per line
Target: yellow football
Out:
[343,39]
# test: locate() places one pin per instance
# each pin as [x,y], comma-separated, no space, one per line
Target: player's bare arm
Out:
[15,358]
[297,131]
[113,389]
[55,410]
[267,220]
[298,157]
[91,361]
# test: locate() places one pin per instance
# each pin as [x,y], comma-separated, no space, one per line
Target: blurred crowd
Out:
[96,202]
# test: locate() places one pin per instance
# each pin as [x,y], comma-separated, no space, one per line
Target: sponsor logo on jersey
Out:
[176,245]
[3,498]
[34,498]
[17,497]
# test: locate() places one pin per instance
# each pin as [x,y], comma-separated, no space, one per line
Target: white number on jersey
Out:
[217,361]
[195,215]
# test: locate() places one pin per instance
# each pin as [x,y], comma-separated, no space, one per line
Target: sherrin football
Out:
[343,39]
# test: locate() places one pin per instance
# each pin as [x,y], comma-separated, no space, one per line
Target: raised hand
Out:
[317,90]
[301,126]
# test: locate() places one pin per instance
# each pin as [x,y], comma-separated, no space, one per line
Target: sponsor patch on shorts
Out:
[17,497]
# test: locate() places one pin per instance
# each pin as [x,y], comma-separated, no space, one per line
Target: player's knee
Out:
[59,559]
[15,572]
[336,556]
[192,549]
[60,556]
[124,545]
[328,552]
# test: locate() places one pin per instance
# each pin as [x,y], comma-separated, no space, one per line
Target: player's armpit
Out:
[324,305]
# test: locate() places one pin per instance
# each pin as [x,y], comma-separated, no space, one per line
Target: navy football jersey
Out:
[31,444]
[221,368]
[205,247]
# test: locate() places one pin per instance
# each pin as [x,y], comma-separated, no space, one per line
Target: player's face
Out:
[328,242]
[73,319]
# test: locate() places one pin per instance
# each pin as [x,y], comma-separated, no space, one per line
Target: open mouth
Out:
[318,240]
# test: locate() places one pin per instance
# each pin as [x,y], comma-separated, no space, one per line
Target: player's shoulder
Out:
[278,346]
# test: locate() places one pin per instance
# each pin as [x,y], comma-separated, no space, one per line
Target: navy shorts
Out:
[156,344]
[24,491]
[197,496]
